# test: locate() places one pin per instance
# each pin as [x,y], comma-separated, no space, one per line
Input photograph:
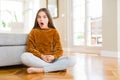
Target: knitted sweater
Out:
[44,41]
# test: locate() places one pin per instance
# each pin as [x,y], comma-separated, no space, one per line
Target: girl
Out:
[44,51]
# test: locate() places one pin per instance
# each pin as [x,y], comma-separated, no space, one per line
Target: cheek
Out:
[46,21]
[38,20]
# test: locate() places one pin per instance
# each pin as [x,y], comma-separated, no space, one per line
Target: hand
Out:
[44,57]
[47,58]
[50,58]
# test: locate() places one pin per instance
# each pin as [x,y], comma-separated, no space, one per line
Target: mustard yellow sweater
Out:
[44,41]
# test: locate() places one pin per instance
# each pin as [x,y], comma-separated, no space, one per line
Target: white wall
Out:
[61,20]
[29,17]
[110,40]
[118,14]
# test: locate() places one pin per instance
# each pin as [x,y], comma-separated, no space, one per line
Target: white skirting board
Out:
[82,50]
[102,52]
[110,54]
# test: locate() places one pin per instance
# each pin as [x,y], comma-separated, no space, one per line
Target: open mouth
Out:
[42,23]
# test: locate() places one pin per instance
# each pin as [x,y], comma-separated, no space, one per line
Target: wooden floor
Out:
[88,67]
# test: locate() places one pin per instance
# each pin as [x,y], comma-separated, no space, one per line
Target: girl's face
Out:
[42,20]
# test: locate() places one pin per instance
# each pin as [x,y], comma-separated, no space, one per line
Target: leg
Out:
[32,61]
[60,64]
[37,65]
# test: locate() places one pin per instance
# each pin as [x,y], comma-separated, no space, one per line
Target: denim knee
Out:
[25,57]
[71,60]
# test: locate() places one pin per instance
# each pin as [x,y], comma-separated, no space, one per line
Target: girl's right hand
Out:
[47,58]
[50,58]
[44,57]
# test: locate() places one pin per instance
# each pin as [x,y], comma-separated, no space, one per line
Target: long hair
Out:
[50,22]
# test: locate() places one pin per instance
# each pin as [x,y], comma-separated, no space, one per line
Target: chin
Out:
[42,27]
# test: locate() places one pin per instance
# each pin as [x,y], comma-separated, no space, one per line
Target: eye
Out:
[38,16]
[44,16]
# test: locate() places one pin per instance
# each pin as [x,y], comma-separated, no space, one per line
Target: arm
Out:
[57,47]
[31,47]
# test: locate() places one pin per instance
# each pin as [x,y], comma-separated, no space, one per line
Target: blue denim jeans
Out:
[60,64]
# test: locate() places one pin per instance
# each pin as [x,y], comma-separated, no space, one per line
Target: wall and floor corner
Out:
[110,30]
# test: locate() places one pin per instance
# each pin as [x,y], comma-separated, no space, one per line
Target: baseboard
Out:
[110,54]
[82,50]
[119,55]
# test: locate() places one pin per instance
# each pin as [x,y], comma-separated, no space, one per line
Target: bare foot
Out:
[35,70]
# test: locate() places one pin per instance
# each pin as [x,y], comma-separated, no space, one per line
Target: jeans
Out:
[60,64]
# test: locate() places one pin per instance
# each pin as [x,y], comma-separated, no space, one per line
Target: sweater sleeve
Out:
[31,45]
[58,52]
